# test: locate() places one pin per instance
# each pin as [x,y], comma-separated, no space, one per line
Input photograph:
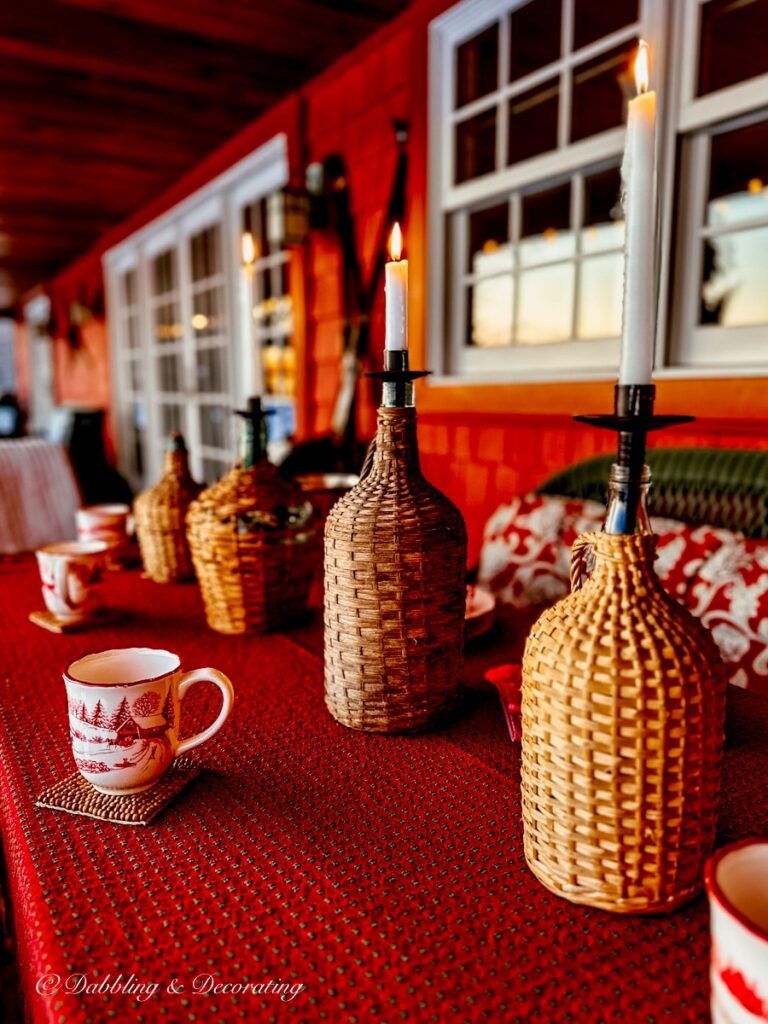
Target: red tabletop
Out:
[384,874]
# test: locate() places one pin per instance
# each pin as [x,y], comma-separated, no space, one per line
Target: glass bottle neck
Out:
[618,513]
[253,442]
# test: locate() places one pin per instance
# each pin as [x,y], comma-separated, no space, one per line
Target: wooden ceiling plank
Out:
[110,69]
[102,44]
[313,27]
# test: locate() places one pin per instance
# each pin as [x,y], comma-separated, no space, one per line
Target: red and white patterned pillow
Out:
[730,596]
[526,552]
[719,575]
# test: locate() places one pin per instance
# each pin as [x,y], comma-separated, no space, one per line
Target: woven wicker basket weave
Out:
[251,536]
[395,565]
[160,514]
[623,708]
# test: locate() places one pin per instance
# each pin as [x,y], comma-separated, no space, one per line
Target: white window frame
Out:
[672,30]
[694,346]
[220,201]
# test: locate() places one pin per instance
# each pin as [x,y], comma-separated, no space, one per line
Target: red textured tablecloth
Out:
[384,874]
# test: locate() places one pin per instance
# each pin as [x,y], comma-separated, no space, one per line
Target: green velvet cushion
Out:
[720,486]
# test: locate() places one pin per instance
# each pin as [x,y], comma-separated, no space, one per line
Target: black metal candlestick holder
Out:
[633,418]
[397,380]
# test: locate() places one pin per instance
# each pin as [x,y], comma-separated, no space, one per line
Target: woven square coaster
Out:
[47,620]
[76,796]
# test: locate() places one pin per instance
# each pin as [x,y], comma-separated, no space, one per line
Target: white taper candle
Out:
[396,296]
[638,174]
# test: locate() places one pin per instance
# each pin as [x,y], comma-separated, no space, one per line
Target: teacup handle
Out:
[210,675]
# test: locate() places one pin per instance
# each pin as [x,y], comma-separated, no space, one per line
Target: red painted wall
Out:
[480,444]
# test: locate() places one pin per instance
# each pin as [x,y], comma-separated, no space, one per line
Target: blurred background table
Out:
[386,874]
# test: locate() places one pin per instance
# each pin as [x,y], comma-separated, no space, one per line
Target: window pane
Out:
[603,219]
[489,249]
[213,470]
[545,311]
[133,332]
[130,293]
[164,272]
[169,372]
[534,37]
[210,369]
[489,309]
[207,319]
[289,373]
[600,296]
[477,63]
[170,419]
[738,175]
[600,89]
[734,42]
[735,279]
[533,122]
[476,146]
[167,326]
[280,316]
[255,221]
[213,419]
[136,374]
[546,235]
[204,249]
[594,19]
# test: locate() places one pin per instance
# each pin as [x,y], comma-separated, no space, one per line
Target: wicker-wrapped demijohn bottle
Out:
[160,514]
[250,534]
[395,568]
[623,703]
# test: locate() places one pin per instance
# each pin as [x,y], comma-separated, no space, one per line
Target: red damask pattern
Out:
[719,575]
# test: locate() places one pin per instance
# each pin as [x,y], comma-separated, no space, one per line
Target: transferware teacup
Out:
[107,523]
[737,883]
[71,574]
[124,715]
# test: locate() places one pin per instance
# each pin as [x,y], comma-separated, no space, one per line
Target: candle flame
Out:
[396,243]
[641,67]
[248,248]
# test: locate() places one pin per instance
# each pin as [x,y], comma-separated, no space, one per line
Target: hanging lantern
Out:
[287,217]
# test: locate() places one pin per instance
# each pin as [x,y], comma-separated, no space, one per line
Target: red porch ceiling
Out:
[104,104]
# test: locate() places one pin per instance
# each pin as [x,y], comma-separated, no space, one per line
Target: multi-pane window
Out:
[547,73]
[528,103]
[562,240]
[267,266]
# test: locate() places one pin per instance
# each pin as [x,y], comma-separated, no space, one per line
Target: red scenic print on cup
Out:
[740,988]
[133,736]
[735,877]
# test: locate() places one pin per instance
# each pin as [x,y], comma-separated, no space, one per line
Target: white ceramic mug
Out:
[107,523]
[737,883]
[71,575]
[124,715]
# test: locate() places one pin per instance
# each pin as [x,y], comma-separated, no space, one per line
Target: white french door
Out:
[181,325]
